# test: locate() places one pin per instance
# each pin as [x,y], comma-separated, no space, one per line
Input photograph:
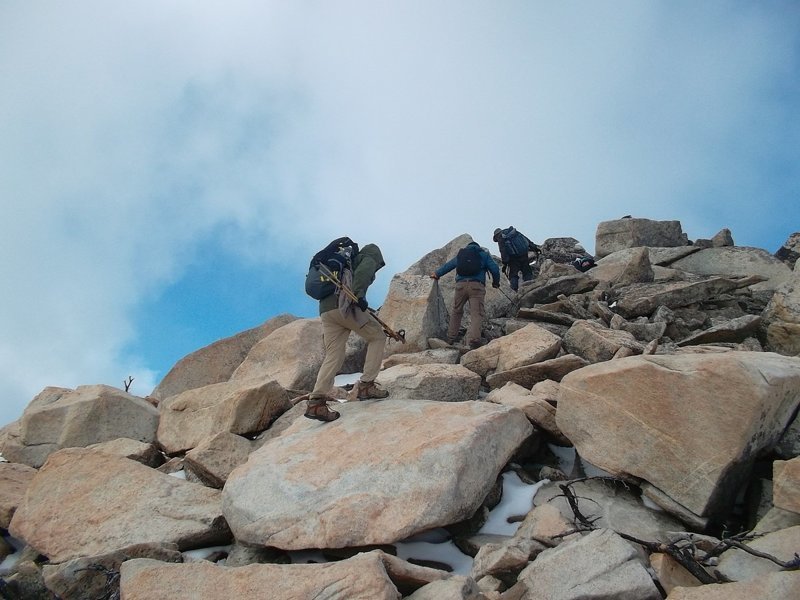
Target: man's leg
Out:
[477,311]
[527,272]
[459,300]
[334,337]
[376,343]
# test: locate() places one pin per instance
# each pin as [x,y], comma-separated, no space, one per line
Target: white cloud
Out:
[130,133]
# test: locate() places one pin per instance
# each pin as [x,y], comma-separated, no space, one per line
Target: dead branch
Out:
[683,556]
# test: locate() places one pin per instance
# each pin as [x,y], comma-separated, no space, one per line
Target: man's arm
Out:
[489,263]
[445,268]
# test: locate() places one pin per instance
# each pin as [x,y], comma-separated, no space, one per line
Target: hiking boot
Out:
[318,409]
[370,389]
[475,344]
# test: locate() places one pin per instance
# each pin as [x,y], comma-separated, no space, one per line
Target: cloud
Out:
[133,135]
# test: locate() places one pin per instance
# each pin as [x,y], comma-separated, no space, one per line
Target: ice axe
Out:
[399,335]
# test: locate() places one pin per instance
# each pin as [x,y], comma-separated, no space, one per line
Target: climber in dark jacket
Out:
[469,288]
[514,248]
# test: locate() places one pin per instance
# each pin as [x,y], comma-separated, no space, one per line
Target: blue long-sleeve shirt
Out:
[487,264]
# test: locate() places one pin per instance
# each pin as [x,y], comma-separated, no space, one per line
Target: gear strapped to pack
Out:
[336,257]
[399,335]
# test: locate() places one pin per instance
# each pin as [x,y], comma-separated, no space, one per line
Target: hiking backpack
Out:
[336,256]
[469,261]
[514,243]
[584,263]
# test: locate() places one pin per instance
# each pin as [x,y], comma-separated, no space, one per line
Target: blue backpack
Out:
[514,243]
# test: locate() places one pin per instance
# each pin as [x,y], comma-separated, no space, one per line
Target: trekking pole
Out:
[506,295]
[399,335]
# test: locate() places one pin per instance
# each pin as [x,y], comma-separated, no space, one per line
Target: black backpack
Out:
[469,261]
[583,263]
[514,243]
[336,256]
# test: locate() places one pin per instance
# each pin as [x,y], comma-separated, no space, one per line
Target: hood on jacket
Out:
[370,251]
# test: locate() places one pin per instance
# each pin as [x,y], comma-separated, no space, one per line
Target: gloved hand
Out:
[496,284]
[362,304]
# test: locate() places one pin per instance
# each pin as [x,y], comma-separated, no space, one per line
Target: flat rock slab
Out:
[86,503]
[738,261]
[775,586]
[530,375]
[380,473]
[362,577]
[599,565]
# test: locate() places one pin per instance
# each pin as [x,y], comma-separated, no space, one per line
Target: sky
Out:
[168,168]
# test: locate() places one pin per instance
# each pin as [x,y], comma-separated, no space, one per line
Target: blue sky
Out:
[168,167]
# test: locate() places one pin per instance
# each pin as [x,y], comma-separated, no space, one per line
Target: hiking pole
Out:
[506,295]
[399,335]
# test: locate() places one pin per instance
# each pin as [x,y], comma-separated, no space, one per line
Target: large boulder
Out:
[64,418]
[617,268]
[426,464]
[642,299]
[547,289]
[734,331]
[216,362]
[599,565]
[240,407]
[213,460]
[534,403]
[562,249]
[780,329]
[93,577]
[619,234]
[790,251]
[14,480]
[444,383]
[85,503]
[786,490]
[147,454]
[414,304]
[736,261]
[596,343]
[691,425]
[525,346]
[291,355]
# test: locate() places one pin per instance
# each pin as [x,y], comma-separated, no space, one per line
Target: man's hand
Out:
[434,276]
[362,304]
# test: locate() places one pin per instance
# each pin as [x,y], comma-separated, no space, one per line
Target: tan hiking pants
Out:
[473,292]
[335,331]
